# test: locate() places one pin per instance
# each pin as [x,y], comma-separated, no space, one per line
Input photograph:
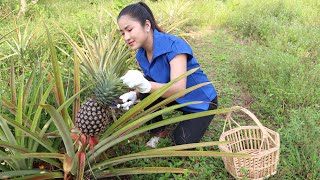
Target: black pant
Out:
[189,131]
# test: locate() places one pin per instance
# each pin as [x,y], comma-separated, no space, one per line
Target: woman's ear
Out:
[147,25]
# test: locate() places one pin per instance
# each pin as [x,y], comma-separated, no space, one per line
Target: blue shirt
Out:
[166,47]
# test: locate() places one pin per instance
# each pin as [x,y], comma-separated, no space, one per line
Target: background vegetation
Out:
[263,55]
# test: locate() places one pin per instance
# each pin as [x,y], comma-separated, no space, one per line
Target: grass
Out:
[301,145]
[260,55]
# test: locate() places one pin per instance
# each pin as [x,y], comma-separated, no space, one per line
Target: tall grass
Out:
[278,80]
[285,25]
[290,26]
[300,147]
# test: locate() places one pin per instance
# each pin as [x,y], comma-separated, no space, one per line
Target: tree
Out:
[23,6]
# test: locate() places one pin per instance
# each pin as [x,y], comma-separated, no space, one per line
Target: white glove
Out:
[153,142]
[128,99]
[135,79]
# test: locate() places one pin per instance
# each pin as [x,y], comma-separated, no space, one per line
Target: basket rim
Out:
[224,148]
[271,150]
[276,134]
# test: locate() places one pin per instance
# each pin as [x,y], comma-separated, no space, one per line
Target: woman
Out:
[163,57]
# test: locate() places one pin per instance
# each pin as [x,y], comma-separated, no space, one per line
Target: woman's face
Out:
[134,34]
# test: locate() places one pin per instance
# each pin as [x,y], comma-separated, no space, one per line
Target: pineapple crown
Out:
[104,60]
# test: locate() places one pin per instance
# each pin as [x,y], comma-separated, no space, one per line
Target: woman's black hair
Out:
[141,12]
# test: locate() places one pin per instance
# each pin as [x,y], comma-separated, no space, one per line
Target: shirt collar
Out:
[161,44]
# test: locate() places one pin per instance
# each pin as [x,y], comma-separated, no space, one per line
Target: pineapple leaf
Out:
[76,89]
[168,100]
[163,152]
[36,119]
[90,54]
[24,150]
[81,165]
[37,90]
[57,76]
[144,103]
[27,90]
[4,120]
[106,143]
[127,129]
[143,170]
[18,134]
[12,83]
[62,127]
[31,174]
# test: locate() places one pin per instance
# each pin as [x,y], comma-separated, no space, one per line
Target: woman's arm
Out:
[178,66]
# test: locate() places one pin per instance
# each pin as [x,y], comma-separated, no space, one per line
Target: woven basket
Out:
[260,142]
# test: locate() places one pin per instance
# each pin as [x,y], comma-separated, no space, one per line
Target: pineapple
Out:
[92,119]
[103,61]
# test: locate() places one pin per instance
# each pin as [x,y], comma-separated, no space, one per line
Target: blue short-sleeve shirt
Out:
[166,47]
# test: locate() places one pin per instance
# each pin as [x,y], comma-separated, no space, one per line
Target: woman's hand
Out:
[135,79]
[128,99]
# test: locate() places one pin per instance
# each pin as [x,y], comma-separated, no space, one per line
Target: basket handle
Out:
[265,134]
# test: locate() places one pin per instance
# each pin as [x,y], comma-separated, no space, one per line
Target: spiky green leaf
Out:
[144,170]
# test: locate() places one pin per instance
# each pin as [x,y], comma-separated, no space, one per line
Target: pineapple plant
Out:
[103,61]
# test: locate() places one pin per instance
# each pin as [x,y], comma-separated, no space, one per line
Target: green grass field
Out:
[262,55]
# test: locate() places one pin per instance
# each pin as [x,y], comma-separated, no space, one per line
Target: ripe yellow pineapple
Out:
[103,61]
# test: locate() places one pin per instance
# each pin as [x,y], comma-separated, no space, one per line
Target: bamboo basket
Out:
[260,142]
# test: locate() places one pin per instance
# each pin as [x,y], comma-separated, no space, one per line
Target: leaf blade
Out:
[62,127]
[143,170]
